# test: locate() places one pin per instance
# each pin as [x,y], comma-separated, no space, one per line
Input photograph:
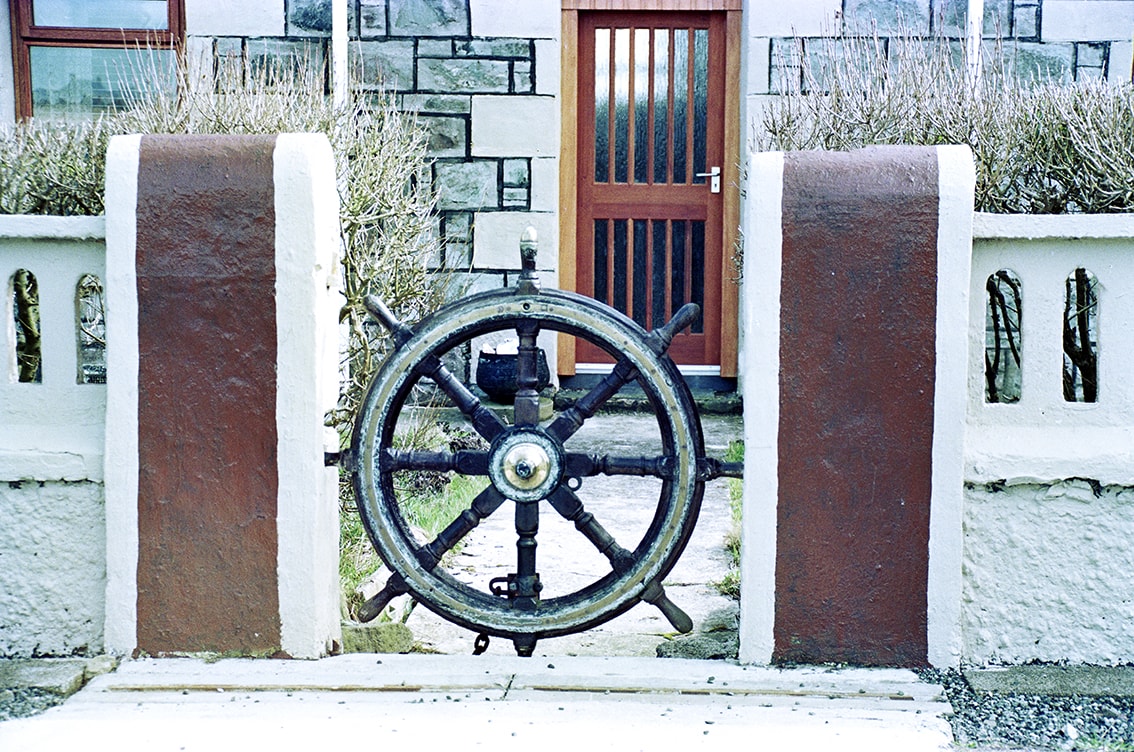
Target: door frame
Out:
[568,158]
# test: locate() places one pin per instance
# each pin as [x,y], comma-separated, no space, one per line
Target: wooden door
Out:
[650,165]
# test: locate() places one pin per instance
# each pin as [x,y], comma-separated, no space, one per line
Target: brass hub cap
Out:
[525,465]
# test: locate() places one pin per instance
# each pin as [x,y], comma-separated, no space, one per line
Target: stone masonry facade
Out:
[1064,40]
[486,98]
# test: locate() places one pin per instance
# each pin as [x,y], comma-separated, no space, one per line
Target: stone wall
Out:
[482,78]
[1067,40]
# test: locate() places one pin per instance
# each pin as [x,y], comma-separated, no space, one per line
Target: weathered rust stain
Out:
[857,364]
[207,395]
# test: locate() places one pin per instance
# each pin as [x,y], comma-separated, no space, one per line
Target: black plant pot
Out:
[496,374]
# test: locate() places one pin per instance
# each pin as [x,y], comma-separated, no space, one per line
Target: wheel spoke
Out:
[483,420]
[579,465]
[524,587]
[486,502]
[571,420]
[526,404]
[464,461]
[564,501]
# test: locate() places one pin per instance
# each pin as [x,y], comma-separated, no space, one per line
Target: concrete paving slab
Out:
[63,676]
[1066,681]
[504,703]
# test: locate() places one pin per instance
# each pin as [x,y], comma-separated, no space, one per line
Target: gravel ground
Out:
[21,703]
[1036,722]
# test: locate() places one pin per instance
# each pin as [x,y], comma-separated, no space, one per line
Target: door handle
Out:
[714,175]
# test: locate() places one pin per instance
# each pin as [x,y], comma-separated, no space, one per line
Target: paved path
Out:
[567,561]
[488,702]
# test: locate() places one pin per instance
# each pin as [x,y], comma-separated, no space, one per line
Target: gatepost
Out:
[222,296]
[856,319]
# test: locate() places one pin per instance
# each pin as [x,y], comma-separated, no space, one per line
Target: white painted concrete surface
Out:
[308,299]
[493,703]
[763,269]
[956,182]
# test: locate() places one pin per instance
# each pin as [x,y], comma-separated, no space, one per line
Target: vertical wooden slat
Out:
[730,308]
[568,166]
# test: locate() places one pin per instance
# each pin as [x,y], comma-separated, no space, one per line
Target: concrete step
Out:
[500,702]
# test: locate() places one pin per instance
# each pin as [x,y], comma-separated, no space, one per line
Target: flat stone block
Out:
[1031,60]
[1065,681]
[546,71]
[447,104]
[887,17]
[515,126]
[63,676]
[1025,22]
[515,197]
[545,184]
[251,18]
[1121,61]
[447,136]
[458,227]
[435,47]
[286,56]
[507,18]
[428,18]
[466,185]
[1095,21]
[496,239]
[387,64]
[516,173]
[377,637]
[471,75]
[508,48]
[309,18]
[1088,55]
[805,18]
[372,18]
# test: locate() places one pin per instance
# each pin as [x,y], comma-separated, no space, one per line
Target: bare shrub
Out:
[386,206]
[1041,146]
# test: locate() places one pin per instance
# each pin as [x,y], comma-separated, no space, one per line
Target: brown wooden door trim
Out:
[730,163]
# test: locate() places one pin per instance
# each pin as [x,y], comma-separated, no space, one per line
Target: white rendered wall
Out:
[1048,563]
[1049,574]
[1043,438]
[52,538]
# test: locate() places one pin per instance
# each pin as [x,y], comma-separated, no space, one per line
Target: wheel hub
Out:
[525,465]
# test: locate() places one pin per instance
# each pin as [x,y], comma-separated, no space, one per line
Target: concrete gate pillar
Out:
[856,287]
[222,296]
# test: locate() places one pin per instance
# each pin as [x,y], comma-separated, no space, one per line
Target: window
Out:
[76,58]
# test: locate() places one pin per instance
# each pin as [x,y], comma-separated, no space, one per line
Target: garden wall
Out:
[1049,492]
[53,535]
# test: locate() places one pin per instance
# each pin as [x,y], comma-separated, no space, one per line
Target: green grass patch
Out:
[729,585]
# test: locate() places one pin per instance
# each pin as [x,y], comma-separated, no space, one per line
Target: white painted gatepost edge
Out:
[956,177]
[308,300]
[760,365]
[121,472]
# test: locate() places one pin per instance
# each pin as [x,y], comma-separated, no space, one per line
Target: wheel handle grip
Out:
[654,594]
[394,587]
[684,317]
